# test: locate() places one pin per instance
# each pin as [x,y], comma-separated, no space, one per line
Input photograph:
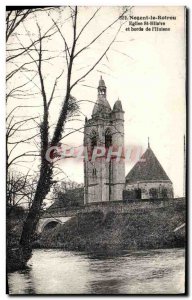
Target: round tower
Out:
[117,117]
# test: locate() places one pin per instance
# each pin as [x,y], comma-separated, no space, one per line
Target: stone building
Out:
[104,181]
[147,179]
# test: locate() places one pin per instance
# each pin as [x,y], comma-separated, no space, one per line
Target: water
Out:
[138,272]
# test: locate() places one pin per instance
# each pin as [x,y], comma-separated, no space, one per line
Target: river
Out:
[135,272]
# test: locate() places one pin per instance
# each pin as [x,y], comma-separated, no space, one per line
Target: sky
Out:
[145,70]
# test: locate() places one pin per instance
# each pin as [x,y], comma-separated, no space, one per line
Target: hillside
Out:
[114,232]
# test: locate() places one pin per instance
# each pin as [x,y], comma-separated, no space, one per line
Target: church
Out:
[104,180]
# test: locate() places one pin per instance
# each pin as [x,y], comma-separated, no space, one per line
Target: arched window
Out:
[94,171]
[93,140]
[108,138]
[164,193]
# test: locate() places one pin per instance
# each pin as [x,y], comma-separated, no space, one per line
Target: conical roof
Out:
[117,106]
[102,82]
[102,105]
[146,169]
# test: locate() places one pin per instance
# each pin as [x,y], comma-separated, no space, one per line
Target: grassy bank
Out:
[114,232]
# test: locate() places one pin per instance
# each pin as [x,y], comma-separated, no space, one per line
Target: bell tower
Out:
[104,179]
[102,90]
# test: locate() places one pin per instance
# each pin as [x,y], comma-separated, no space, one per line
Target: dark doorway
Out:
[138,193]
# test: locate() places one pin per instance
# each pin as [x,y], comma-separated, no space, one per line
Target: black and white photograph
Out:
[96,150]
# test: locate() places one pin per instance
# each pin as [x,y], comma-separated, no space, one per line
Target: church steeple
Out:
[104,180]
[148,143]
[102,87]
[101,107]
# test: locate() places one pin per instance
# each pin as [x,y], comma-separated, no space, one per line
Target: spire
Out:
[102,105]
[102,90]
[148,143]
[101,82]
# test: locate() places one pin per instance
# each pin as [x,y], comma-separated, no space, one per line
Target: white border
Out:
[4,3]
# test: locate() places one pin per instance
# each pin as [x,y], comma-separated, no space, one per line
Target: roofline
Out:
[144,181]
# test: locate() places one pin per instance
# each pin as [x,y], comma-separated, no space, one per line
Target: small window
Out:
[108,138]
[137,193]
[153,193]
[164,193]
[93,140]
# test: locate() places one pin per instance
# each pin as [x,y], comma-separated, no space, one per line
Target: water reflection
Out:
[139,272]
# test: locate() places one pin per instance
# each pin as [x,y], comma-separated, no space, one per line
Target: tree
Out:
[19,188]
[19,67]
[70,105]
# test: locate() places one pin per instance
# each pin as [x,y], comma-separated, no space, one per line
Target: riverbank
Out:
[106,229]
[15,258]
[95,232]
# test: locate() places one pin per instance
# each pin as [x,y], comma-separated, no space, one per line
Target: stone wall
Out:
[109,227]
[136,205]
[146,188]
[130,206]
